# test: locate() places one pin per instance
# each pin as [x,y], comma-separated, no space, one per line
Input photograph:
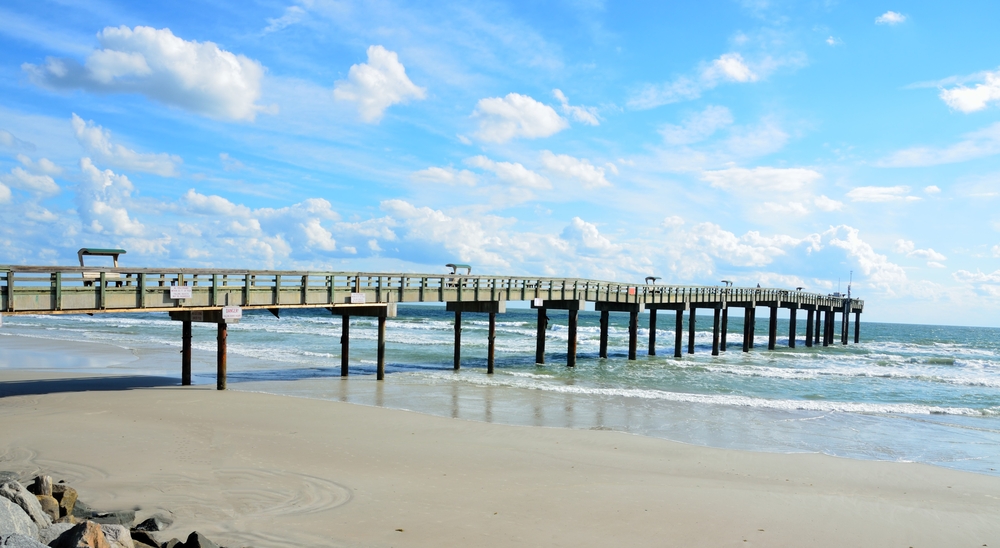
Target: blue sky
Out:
[780,143]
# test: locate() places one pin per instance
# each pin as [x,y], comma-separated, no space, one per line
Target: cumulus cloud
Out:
[586,115]
[698,126]
[890,18]
[881,194]
[932,189]
[828,204]
[102,200]
[516,115]
[966,99]
[908,248]
[587,239]
[761,179]
[575,168]
[97,142]
[468,240]
[42,185]
[378,84]
[43,166]
[727,68]
[751,249]
[977,144]
[196,76]
[447,175]
[511,172]
[880,271]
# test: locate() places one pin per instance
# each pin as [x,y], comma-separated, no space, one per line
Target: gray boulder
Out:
[49,534]
[158,522]
[117,536]
[16,493]
[13,520]
[120,517]
[20,541]
[198,540]
[6,476]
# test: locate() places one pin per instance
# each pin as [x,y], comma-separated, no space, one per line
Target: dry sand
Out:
[261,470]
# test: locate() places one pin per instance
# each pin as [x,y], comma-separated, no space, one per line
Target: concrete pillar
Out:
[458,340]
[571,344]
[605,320]
[845,326]
[772,328]
[791,327]
[652,332]
[543,324]
[679,333]
[186,353]
[753,324]
[220,361]
[809,328]
[633,333]
[746,329]
[857,327]
[826,328]
[492,343]
[715,331]
[819,315]
[691,321]
[380,371]
[345,344]
[725,328]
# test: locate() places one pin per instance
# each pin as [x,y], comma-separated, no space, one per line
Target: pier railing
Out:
[62,290]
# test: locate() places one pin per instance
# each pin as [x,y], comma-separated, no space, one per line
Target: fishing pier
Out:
[220,295]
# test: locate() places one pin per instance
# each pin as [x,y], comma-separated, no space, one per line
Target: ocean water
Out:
[910,393]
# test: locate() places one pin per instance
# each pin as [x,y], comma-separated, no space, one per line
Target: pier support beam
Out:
[491,353]
[220,361]
[345,345]
[678,333]
[845,325]
[458,340]
[571,342]
[380,353]
[791,327]
[753,324]
[484,307]
[633,309]
[605,320]
[827,326]
[573,307]
[725,328]
[857,327]
[772,328]
[652,332]
[691,321]
[746,329]
[809,328]
[819,314]
[715,331]
[380,311]
[633,334]
[186,353]
[543,324]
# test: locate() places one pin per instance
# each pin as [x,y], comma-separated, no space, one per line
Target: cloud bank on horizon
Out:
[770,146]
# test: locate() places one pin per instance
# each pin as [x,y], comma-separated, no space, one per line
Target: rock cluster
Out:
[46,514]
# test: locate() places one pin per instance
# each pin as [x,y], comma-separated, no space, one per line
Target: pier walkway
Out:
[220,295]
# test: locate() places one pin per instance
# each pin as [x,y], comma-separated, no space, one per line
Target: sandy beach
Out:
[263,470]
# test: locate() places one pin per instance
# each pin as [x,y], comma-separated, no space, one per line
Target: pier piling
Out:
[725,329]
[678,332]
[380,368]
[791,327]
[492,344]
[746,329]
[458,340]
[691,321]
[220,365]
[652,332]
[845,325]
[715,331]
[605,319]
[857,327]
[543,324]
[571,343]
[186,353]
[809,328]
[772,327]
[633,334]
[345,344]
[753,324]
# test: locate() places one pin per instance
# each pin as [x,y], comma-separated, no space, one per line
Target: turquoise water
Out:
[907,393]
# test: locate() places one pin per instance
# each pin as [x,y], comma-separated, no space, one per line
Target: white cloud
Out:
[43,166]
[977,277]
[292,15]
[672,221]
[968,99]
[586,115]
[468,240]
[932,189]
[42,185]
[890,18]
[761,179]
[751,249]
[4,194]
[229,163]
[908,248]
[511,172]
[588,239]
[698,126]
[880,271]
[729,67]
[97,142]
[759,140]
[784,208]
[831,41]
[8,140]
[828,204]
[378,84]
[881,194]
[101,200]
[516,115]
[447,175]
[196,76]
[977,144]
[577,168]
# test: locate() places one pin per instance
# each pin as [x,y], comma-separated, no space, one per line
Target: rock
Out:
[6,476]
[144,545]
[66,496]
[117,536]
[71,519]
[49,534]
[20,541]
[158,522]
[119,517]
[16,493]
[198,540]
[173,543]
[82,510]
[49,505]
[83,535]
[141,538]
[13,520]
[43,486]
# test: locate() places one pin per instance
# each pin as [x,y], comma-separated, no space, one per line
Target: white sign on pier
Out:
[232,313]
[357,298]
[180,292]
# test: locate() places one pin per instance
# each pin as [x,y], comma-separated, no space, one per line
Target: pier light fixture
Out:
[727,283]
[650,280]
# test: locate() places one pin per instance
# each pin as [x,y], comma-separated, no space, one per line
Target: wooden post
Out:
[345,344]
[826,328]
[753,324]
[725,329]
[809,328]
[543,322]
[380,374]
[652,332]
[691,321]
[819,315]
[845,326]
[458,340]
[492,343]
[220,372]
[571,343]
[746,329]
[857,327]
[186,353]
[679,332]
[633,333]
[791,327]
[605,320]
[715,332]
[772,328]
